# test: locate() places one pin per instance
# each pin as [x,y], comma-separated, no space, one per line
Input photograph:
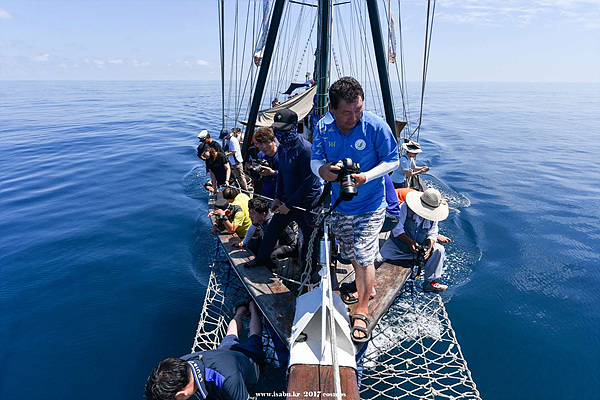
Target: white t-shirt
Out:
[234,145]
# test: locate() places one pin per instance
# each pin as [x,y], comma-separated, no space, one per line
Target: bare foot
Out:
[240,310]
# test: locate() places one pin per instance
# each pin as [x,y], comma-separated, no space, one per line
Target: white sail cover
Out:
[301,104]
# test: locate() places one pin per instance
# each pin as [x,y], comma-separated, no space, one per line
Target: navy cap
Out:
[285,120]
[222,204]
[224,133]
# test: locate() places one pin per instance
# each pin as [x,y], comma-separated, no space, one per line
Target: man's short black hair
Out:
[259,205]
[230,193]
[167,378]
[347,89]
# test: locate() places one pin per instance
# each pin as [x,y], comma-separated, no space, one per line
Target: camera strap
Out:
[326,192]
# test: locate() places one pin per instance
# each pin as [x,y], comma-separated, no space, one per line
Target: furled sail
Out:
[260,45]
[301,104]
[392,36]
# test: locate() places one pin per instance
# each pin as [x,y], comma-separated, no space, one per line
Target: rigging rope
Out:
[428,35]
[221,12]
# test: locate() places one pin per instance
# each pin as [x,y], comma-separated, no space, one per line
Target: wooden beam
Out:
[389,280]
[315,382]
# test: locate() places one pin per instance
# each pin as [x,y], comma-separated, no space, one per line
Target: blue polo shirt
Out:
[369,143]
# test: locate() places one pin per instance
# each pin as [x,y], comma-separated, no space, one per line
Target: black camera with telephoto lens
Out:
[347,185]
[258,165]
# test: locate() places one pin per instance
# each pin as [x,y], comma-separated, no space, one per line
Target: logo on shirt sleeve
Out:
[360,144]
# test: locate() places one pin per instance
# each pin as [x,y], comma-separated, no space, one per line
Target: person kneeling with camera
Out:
[261,217]
[415,236]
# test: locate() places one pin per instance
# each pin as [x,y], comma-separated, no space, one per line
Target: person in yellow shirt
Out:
[240,220]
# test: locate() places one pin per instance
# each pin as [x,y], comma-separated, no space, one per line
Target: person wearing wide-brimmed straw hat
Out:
[408,165]
[417,226]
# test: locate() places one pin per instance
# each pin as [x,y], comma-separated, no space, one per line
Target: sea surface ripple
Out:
[104,243]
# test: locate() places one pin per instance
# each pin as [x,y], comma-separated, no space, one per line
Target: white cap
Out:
[203,134]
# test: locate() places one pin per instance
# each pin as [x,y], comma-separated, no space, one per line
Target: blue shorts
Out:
[252,347]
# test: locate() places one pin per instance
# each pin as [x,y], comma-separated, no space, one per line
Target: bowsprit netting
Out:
[225,290]
[414,353]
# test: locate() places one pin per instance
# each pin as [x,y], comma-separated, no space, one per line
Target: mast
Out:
[262,74]
[222,49]
[323,50]
[384,79]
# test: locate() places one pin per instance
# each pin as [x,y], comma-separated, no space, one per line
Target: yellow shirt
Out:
[241,219]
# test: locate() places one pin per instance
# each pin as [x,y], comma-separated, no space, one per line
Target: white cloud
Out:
[5,14]
[137,63]
[42,57]
[115,61]
[189,64]
[98,63]
[499,12]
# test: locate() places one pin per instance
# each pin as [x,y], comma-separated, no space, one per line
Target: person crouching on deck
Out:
[231,216]
[417,230]
[347,131]
[261,216]
[221,374]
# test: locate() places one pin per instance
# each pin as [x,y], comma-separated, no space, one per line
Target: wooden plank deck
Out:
[274,299]
[316,382]
[389,280]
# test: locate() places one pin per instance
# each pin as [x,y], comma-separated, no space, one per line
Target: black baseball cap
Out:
[285,120]
[222,204]
[224,133]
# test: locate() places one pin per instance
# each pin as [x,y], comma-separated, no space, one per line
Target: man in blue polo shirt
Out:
[348,131]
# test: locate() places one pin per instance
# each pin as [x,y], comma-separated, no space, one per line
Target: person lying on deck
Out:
[417,230]
[261,217]
[224,373]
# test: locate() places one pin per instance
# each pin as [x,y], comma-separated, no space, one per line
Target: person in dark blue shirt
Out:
[297,188]
[222,374]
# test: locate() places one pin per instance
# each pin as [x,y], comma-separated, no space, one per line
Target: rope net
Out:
[414,353]
[223,292]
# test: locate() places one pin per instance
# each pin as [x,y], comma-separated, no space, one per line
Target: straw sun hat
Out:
[428,204]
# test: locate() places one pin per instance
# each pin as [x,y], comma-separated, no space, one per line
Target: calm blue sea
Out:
[102,276]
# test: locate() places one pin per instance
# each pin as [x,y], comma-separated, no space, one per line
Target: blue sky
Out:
[486,40]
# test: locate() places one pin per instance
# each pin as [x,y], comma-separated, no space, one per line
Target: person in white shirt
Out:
[408,165]
[234,154]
